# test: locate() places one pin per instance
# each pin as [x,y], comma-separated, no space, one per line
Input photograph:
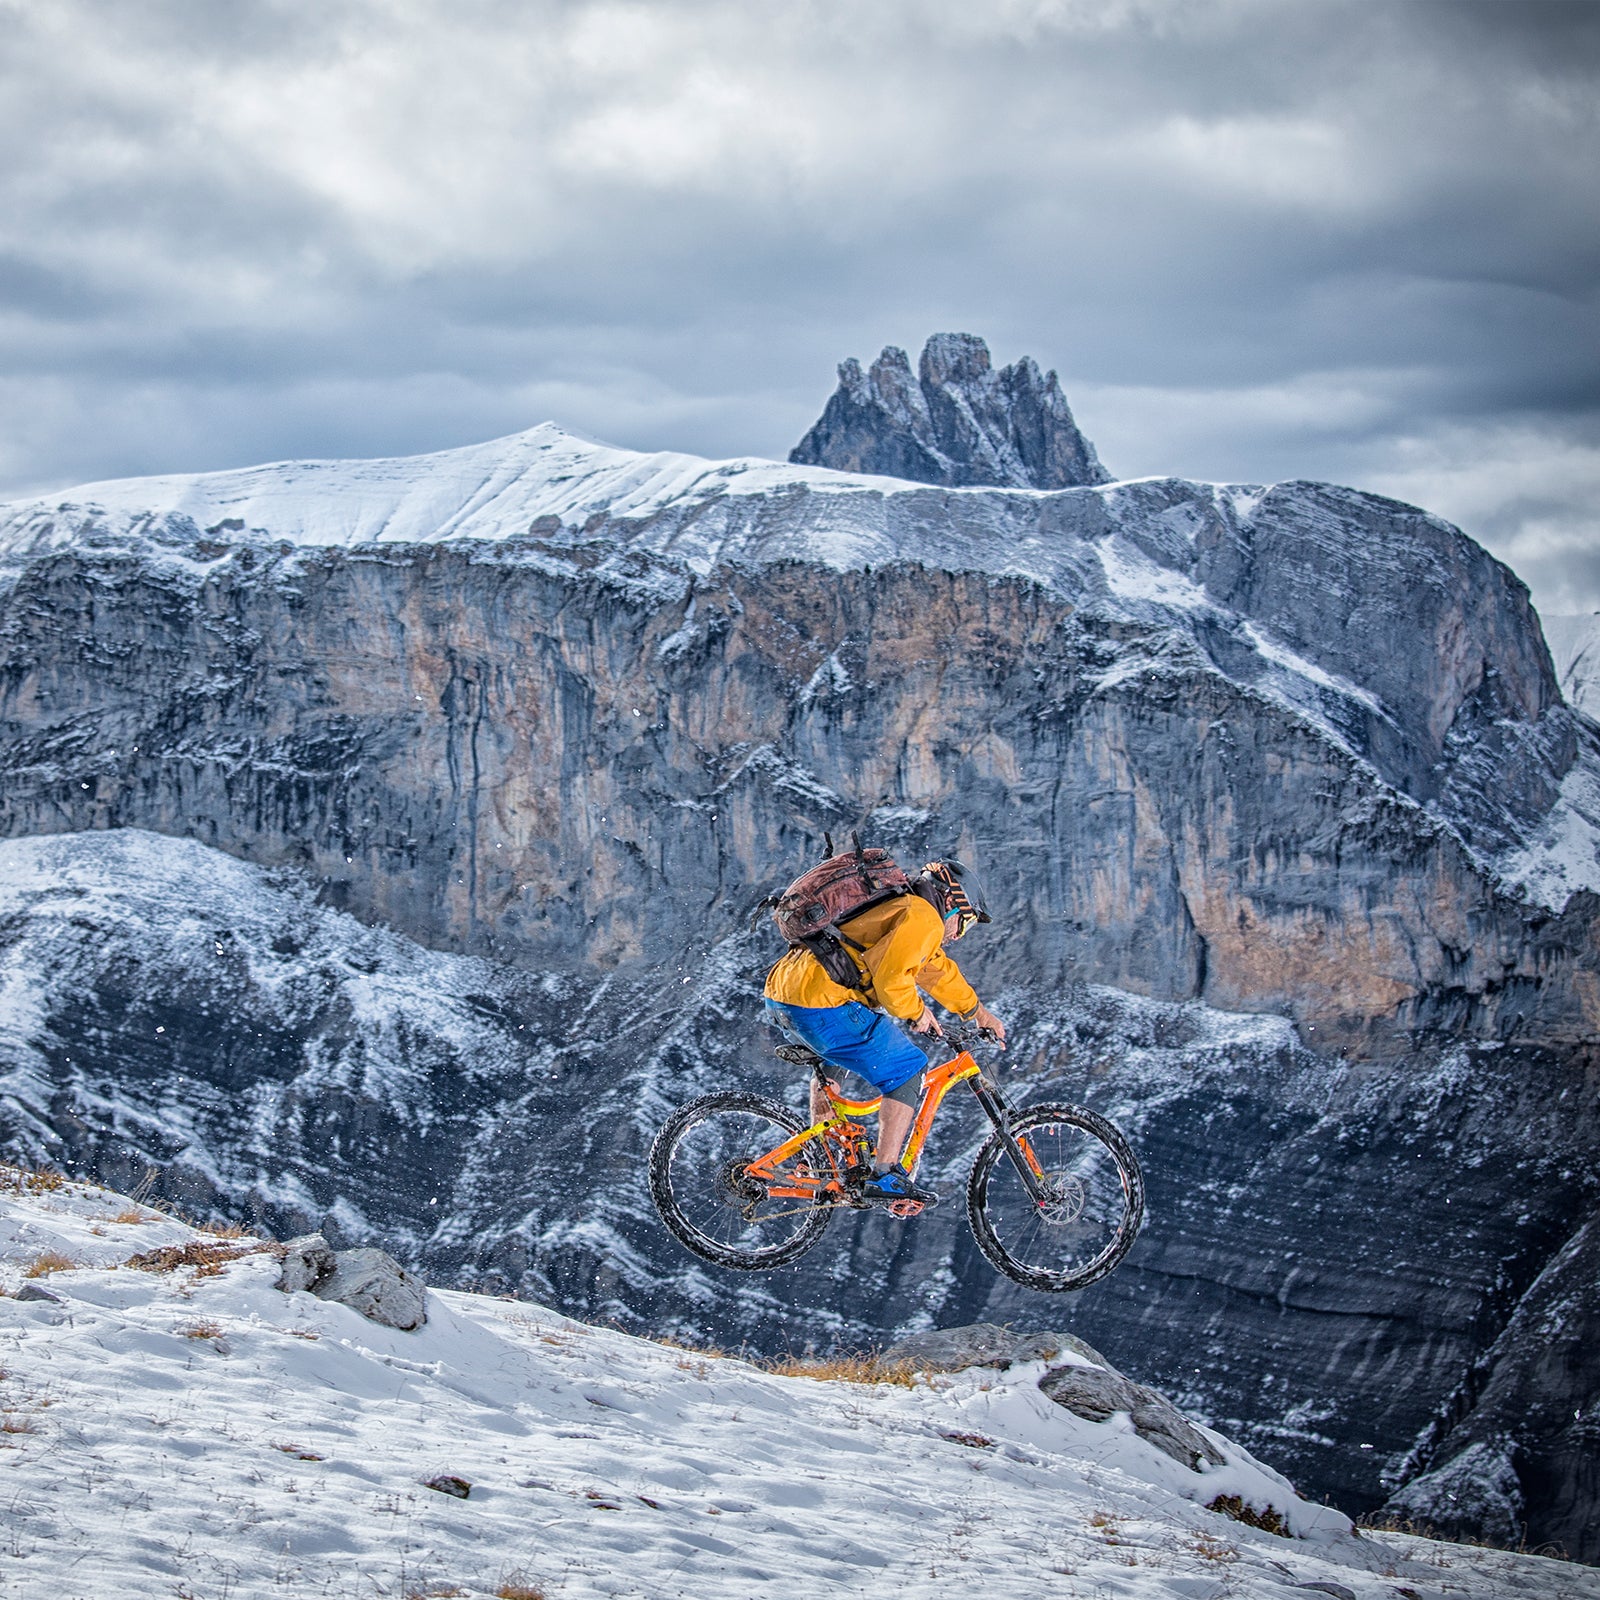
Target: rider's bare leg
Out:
[894,1128]
[821,1107]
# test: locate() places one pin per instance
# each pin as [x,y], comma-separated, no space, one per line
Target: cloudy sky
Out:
[1346,239]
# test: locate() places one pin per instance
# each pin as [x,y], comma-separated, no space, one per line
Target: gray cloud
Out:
[1259,240]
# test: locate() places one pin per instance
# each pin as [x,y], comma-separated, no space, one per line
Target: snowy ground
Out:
[209,1438]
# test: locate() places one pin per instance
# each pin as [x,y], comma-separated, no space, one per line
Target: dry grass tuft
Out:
[303,1333]
[1109,1526]
[1210,1548]
[222,1230]
[208,1260]
[31,1180]
[15,1422]
[870,1368]
[206,1328]
[1268,1519]
[299,1452]
[518,1587]
[433,1591]
[48,1261]
[667,1341]
[135,1215]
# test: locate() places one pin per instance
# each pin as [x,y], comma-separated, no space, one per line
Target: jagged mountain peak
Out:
[956,422]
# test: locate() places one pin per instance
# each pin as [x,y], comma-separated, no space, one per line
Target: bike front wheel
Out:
[1090,1207]
[706,1196]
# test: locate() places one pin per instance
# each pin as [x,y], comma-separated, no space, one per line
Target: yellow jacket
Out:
[903,954]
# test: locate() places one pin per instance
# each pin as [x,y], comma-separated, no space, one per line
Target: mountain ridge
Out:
[1327,599]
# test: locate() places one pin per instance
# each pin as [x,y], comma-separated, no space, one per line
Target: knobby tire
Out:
[1044,1256]
[793,1227]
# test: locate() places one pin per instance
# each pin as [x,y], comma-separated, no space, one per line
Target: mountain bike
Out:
[1055,1197]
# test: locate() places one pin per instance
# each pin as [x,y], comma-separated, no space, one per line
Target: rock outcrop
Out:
[307,1262]
[981,1344]
[1097,1393]
[958,422]
[371,1282]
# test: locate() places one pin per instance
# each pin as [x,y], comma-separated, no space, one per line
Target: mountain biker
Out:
[904,939]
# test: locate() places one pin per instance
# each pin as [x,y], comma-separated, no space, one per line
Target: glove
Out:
[989,1023]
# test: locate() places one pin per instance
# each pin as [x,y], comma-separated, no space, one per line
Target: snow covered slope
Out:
[196,1432]
[485,491]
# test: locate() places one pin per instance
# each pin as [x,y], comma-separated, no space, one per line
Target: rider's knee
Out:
[909,1093]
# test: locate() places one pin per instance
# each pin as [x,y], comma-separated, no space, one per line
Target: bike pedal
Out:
[906,1208]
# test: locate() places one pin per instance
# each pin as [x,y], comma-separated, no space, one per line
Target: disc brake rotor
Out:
[1063,1200]
[740,1191]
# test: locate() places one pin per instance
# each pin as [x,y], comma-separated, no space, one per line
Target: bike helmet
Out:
[957,892]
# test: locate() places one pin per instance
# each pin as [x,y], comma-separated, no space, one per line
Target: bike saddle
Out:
[799,1054]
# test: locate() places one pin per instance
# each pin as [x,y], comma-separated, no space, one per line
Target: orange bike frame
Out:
[837,1134]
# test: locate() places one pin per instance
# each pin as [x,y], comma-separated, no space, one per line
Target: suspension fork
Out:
[999,1113]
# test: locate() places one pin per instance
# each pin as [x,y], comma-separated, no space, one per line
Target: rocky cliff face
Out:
[1518,1445]
[957,422]
[568,713]
[556,756]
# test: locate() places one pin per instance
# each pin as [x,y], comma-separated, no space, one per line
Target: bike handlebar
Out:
[962,1035]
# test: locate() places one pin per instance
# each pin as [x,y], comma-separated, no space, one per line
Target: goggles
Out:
[961,908]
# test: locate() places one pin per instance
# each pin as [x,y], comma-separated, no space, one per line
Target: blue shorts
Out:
[854,1037]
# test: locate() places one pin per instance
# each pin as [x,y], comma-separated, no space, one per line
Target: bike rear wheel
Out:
[1093,1200]
[714,1207]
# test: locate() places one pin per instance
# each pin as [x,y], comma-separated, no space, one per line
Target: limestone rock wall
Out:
[572,765]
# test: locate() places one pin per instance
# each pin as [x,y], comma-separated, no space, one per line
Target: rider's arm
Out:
[941,978]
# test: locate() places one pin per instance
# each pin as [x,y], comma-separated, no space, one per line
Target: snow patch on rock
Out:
[1575,650]
[1563,855]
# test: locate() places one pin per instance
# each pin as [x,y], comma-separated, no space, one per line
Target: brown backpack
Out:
[809,913]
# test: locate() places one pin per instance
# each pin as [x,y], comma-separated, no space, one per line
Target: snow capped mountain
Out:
[185,1427]
[491,491]
[1383,628]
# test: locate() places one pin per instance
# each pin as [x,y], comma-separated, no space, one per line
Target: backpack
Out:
[809,912]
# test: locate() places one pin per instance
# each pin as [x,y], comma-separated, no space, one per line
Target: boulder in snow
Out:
[1095,1393]
[375,1284]
[307,1261]
[982,1344]
[32,1291]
